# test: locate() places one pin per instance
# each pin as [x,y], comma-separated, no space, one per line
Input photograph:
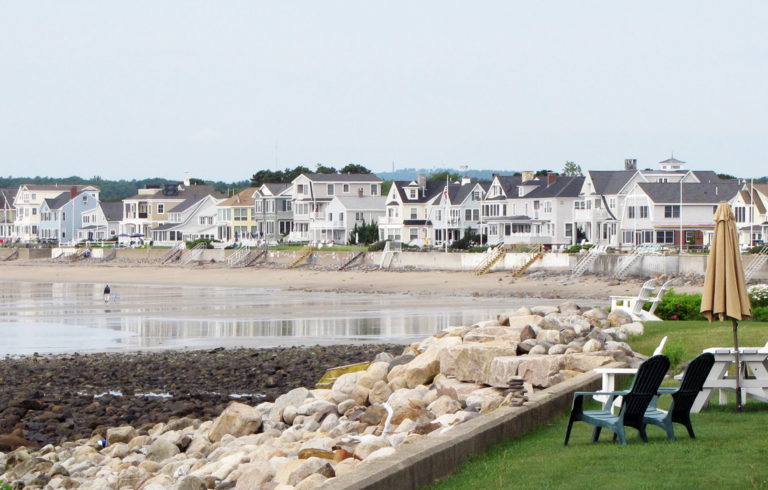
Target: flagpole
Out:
[445,205]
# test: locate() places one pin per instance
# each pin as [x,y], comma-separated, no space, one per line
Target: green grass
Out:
[335,248]
[730,450]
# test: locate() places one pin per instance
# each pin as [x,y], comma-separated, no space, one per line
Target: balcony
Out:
[390,220]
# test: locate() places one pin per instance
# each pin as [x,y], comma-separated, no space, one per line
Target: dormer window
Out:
[412,193]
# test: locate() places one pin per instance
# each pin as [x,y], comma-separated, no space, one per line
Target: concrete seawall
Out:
[419,464]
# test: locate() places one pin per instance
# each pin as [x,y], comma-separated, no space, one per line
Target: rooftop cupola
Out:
[671,164]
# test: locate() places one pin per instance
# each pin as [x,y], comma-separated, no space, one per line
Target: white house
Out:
[7,214]
[61,217]
[28,200]
[343,213]
[190,220]
[312,193]
[455,211]
[102,222]
[749,210]
[408,211]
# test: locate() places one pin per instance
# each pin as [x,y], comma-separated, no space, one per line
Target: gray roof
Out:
[186,204]
[509,183]
[561,187]
[6,197]
[58,201]
[669,192]
[610,181]
[672,160]
[192,191]
[343,177]
[166,226]
[275,188]
[707,176]
[113,211]
[356,202]
[432,189]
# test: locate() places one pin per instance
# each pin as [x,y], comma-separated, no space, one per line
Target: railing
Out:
[173,253]
[390,249]
[757,262]
[492,256]
[535,254]
[193,254]
[626,262]
[304,254]
[592,255]
[357,256]
[238,258]
[13,255]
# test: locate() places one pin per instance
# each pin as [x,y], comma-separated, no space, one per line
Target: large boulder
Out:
[485,399]
[587,361]
[344,386]
[443,405]
[162,449]
[237,419]
[423,368]
[542,371]
[454,388]
[294,398]
[618,318]
[523,320]
[379,393]
[472,362]
[502,370]
[377,371]
[632,329]
[121,434]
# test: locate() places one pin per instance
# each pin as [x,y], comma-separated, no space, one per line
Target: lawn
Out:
[730,450]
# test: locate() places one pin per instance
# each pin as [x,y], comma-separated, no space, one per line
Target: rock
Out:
[618,318]
[190,482]
[384,357]
[294,397]
[344,386]
[423,368]
[375,372]
[309,467]
[595,314]
[130,477]
[632,329]
[374,415]
[317,407]
[254,475]
[285,469]
[519,321]
[538,350]
[162,449]
[237,419]
[557,349]
[346,405]
[542,371]
[444,405]
[368,446]
[379,393]
[544,310]
[592,345]
[550,336]
[396,378]
[454,388]
[360,394]
[569,307]
[121,434]
[312,481]
[485,399]
[622,346]
[584,362]
[486,323]
[502,370]
[381,453]
[346,466]
[329,422]
[472,362]
[289,414]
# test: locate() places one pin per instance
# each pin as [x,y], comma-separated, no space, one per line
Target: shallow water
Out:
[69,317]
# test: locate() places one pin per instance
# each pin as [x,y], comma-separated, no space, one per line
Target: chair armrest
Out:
[667,391]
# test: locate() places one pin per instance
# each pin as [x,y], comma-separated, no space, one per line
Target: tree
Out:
[291,174]
[264,176]
[386,186]
[354,168]
[322,169]
[572,170]
[441,176]
[364,233]
[542,173]
[194,181]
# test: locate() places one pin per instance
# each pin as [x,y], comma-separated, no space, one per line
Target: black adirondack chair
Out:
[634,404]
[682,397]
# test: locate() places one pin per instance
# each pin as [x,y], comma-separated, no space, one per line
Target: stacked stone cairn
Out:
[308,436]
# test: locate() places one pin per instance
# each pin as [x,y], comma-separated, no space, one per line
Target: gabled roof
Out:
[58,201]
[672,160]
[669,192]
[509,183]
[561,187]
[457,193]
[113,211]
[6,198]
[432,190]
[342,177]
[758,201]
[242,198]
[610,181]
[192,191]
[707,176]
[60,187]
[276,188]
[189,203]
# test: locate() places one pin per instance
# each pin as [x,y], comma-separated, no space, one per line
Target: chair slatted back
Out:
[645,295]
[692,382]
[644,387]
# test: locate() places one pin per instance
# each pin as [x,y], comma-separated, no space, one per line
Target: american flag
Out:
[445,195]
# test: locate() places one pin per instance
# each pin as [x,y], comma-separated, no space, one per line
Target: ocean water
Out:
[73,317]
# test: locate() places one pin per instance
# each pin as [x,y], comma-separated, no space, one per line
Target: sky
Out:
[224,89]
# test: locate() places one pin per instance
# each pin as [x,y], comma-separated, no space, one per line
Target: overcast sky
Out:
[223,89]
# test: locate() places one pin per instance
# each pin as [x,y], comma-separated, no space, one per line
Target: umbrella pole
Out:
[738,364]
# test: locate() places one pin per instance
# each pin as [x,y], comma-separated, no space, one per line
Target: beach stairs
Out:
[626,262]
[492,257]
[757,262]
[351,261]
[193,254]
[535,254]
[78,255]
[588,259]
[238,258]
[330,376]
[304,254]
[173,254]
[12,256]
[109,255]
[254,257]
[390,249]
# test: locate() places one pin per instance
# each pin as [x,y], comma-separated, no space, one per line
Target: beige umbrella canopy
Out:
[725,291]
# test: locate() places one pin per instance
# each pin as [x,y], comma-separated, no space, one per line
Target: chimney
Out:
[630,164]
[527,175]
[421,179]
[73,192]
[465,180]
[551,178]
[186,179]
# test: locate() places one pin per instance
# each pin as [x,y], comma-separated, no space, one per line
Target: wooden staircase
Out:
[254,257]
[535,254]
[492,257]
[352,260]
[12,256]
[587,260]
[238,258]
[173,254]
[193,254]
[626,262]
[304,254]
[109,256]
[757,262]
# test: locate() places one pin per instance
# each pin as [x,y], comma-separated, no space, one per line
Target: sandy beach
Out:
[440,283]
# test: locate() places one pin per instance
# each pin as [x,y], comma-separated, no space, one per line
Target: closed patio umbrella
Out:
[725,291]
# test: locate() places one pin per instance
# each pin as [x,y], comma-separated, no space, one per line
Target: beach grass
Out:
[729,451]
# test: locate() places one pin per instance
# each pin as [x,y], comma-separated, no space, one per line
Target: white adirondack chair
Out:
[634,304]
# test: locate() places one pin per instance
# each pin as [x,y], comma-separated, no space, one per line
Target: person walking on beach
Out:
[106,293]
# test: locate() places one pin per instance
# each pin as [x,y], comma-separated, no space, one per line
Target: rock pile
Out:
[307,436]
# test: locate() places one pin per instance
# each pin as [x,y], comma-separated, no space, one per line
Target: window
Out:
[597,203]
[628,237]
[662,179]
[414,213]
[468,215]
[547,206]
[374,189]
[569,229]
[413,233]
[301,189]
[612,203]
[643,211]
[330,216]
[631,212]
[286,205]
[34,211]
[672,211]
[85,199]
[412,193]
[346,188]
[665,237]
[739,214]
[160,208]
[690,237]
[330,189]
[359,216]
[475,215]
[535,205]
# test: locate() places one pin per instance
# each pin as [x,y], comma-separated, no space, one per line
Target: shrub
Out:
[760,314]
[756,250]
[680,307]
[193,243]
[573,249]
[758,295]
[675,352]
[377,246]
